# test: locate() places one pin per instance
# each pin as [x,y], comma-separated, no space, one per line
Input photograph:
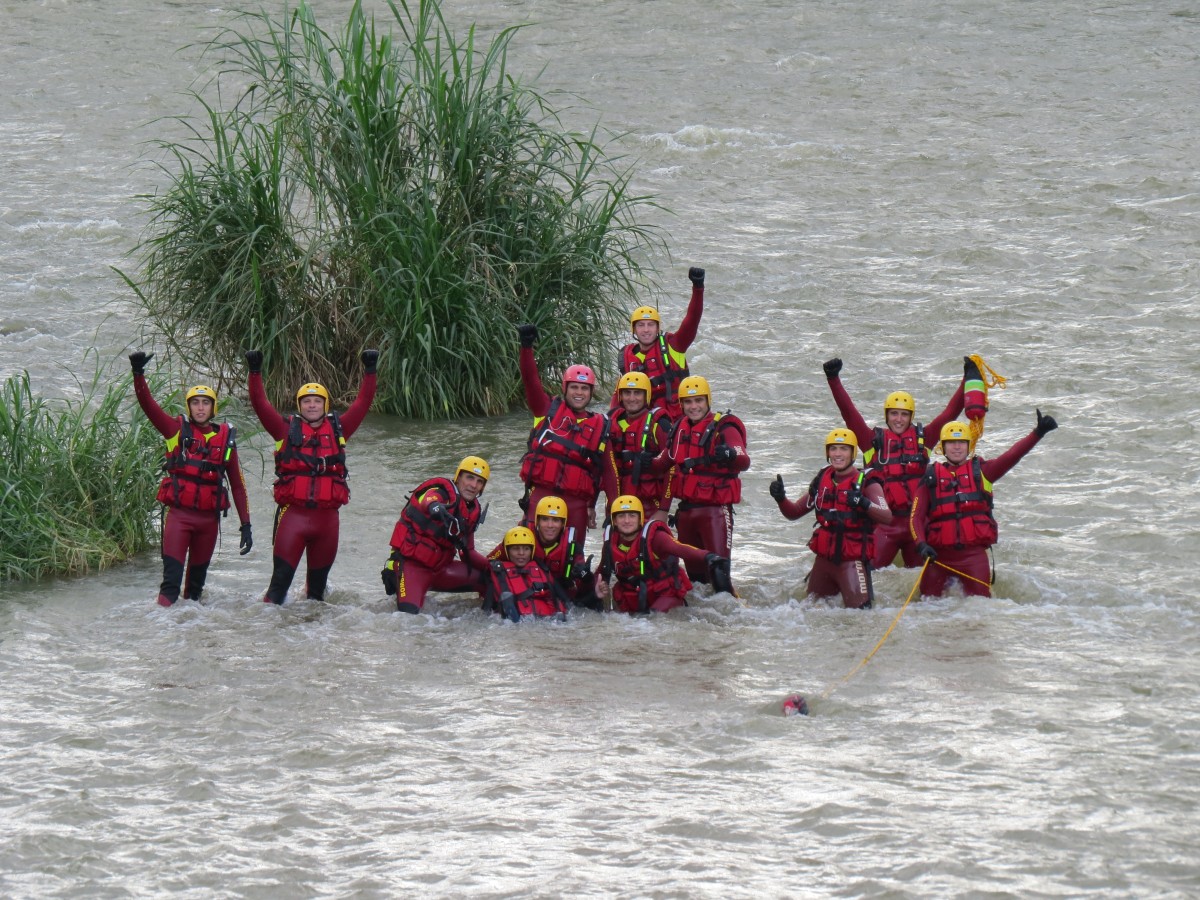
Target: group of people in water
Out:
[668,464]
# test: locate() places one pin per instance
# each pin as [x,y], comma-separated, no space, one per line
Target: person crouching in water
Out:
[559,549]
[310,475]
[644,559]
[519,585]
[200,456]
[848,504]
[951,517]
[637,434]
[438,522]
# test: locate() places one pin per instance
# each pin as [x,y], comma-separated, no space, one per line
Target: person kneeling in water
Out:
[645,561]
[559,550]
[848,503]
[519,585]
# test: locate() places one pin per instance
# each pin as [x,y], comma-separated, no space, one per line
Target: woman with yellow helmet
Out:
[560,549]
[201,456]
[951,520]
[662,357]
[311,478]
[519,585]
[849,505]
[899,452]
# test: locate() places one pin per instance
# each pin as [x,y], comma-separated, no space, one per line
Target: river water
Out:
[897,184]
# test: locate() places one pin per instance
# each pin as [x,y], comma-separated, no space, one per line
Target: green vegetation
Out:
[77,479]
[391,188]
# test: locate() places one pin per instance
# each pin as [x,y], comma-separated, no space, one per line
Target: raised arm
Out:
[353,417]
[682,338]
[536,397]
[850,414]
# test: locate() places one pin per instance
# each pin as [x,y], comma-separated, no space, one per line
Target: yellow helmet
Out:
[955,431]
[644,314]
[635,381]
[628,503]
[843,436]
[554,507]
[519,536]
[202,390]
[312,389]
[695,386]
[475,466]
[899,400]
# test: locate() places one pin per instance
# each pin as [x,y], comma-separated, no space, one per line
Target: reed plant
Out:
[394,187]
[77,479]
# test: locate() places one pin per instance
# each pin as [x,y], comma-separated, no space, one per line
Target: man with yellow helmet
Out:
[637,433]
[951,519]
[643,556]
[311,478]
[849,504]
[898,452]
[560,550]
[519,585]
[566,455]
[706,453]
[437,523]
[201,456]
[662,357]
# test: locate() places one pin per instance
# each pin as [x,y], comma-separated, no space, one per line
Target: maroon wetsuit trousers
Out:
[971,561]
[851,579]
[301,530]
[708,527]
[188,539]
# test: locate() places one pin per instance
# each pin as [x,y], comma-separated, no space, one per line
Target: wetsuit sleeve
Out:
[795,509]
[473,557]
[353,417]
[536,397]
[664,545]
[995,469]
[167,426]
[850,414]
[918,515]
[934,429]
[682,339]
[270,418]
[735,438]
[237,487]
[878,511]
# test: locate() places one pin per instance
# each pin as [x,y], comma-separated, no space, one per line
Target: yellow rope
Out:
[955,571]
[867,658]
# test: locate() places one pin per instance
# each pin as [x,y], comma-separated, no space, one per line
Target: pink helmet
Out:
[579,375]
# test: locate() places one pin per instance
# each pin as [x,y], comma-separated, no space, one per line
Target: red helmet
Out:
[579,375]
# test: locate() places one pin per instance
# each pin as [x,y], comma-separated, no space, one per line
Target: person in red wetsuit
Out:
[310,475]
[706,453]
[201,456]
[644,559]
[519,585]
[567,444]
[951,518]
[558,548]
[849,505]
[898,452]
[637,434]
[437,523]
[662,357]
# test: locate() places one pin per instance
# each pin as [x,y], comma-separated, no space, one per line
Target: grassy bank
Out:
[77,479]
[389,185]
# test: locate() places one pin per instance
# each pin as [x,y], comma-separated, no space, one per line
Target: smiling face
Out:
[646,332]
[550,528]
[627,523]
[695,408]
[520,554]
[633,400]
[578,395]
[200,409]
[312,407]
[956,451]
[898,420]
[840,456]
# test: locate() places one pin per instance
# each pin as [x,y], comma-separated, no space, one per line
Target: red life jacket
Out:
[195,463]
[310,464]
[531,586]
[641,574]
[960,506]
[706,483]
[565,453]
[665,367]
[627,439]
[843,531]
[900,460]
[432,542]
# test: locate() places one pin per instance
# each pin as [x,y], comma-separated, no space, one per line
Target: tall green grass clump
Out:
[394,187]
[77,479]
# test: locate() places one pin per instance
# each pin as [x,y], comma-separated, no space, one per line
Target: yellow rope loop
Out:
[874,649]
[991,377]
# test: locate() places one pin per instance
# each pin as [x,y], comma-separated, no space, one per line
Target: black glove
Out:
[696,276]
[647,458]
[724,453]
[926,551]
[1045,424]
[832,367]
[254,360]
[439,512]
[778,492]
[137,362]
[858,499]
[718,573]
[388,577]
[508,607]
[528,333]
[247,540]
[971,370]
[370,359]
